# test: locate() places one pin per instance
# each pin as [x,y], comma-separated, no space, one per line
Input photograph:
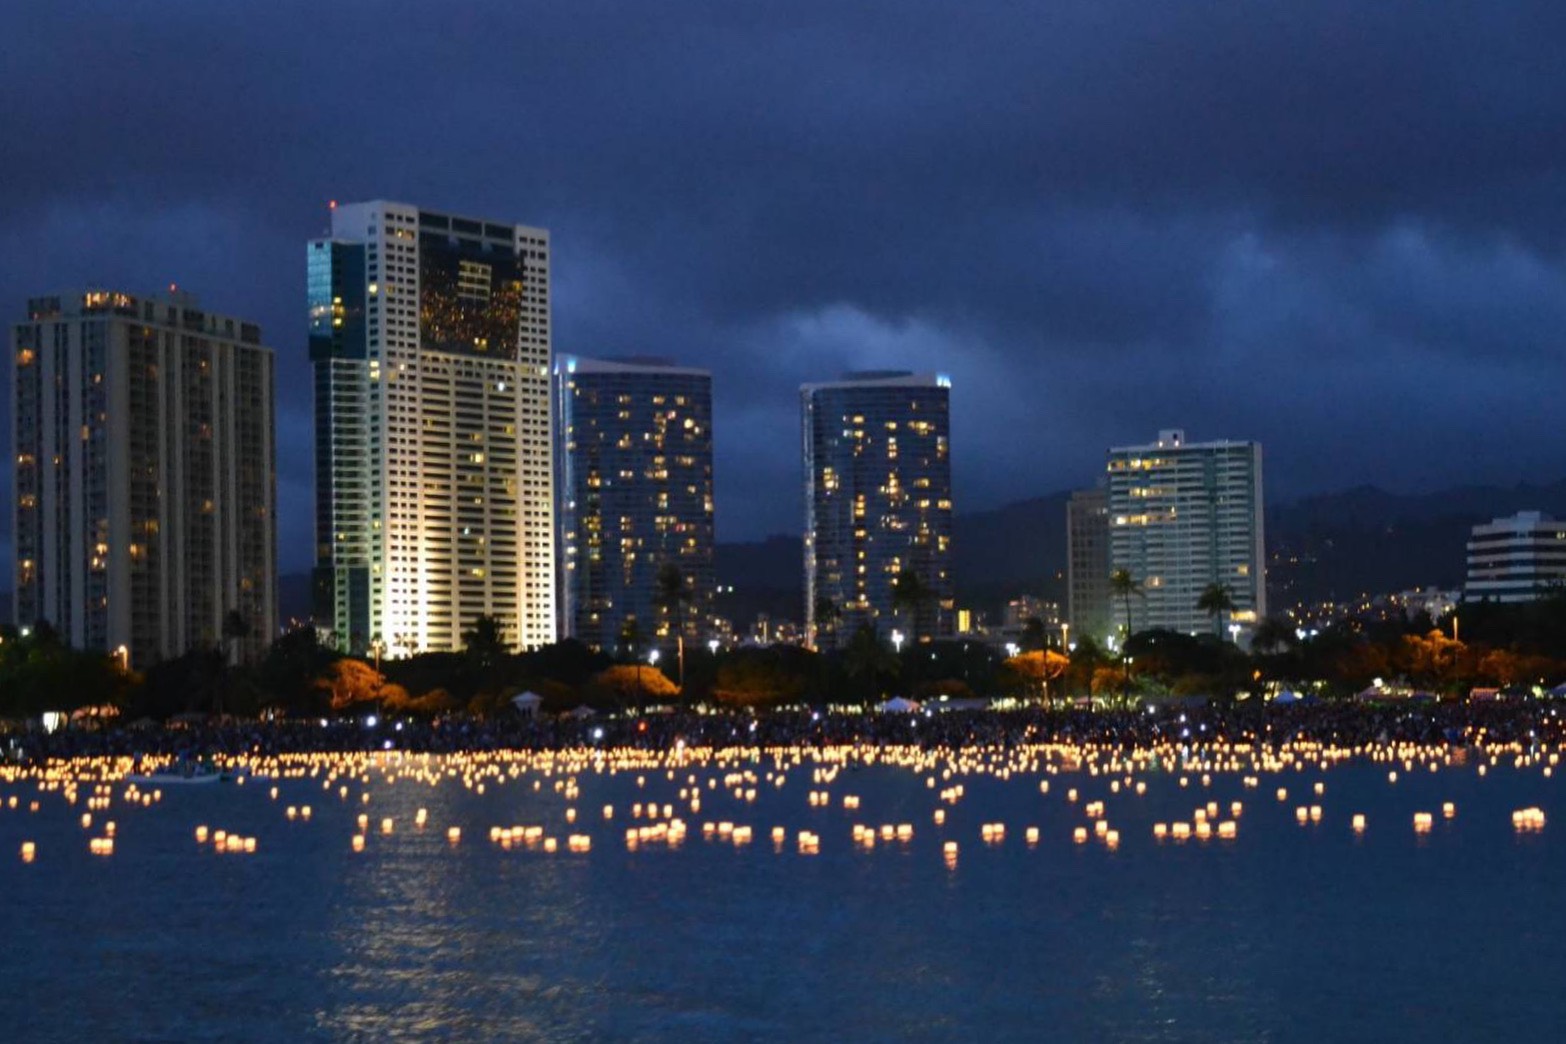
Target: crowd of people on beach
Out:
[1529,723]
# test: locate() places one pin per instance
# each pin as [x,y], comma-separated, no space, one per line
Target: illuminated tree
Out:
[626,683]
[1039,667]
[348,683]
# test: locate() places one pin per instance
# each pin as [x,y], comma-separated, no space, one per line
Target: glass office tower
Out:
[878,506]
[635,498]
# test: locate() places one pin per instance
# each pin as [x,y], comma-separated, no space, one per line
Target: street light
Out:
[897,640]
[1012,649]
[712,646]
[652,657]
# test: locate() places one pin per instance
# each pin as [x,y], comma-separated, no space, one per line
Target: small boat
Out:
[179,775]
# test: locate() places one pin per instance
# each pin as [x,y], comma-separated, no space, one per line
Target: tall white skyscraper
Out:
[1182,517]
[429,334]
[145,482]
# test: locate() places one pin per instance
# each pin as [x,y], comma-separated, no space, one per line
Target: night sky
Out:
[1332,226]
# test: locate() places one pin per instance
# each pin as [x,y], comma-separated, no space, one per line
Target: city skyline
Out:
[1139,224]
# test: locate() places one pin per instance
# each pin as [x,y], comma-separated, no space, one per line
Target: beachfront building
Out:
[1517,559]
[1184,516]
[430,339]
[634,462]
[1087,564]
[878,506]
[144,481]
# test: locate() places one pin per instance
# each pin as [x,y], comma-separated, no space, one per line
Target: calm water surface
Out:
[1289,933]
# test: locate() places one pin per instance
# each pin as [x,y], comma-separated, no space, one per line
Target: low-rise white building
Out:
[1516,559]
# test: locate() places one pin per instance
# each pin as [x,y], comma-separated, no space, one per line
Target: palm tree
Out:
[868,658]
[1272,634]
[671,595]
[910,593]
[1125,587]
[485,641]
[630,646]
[235,630]
[1215,600]
[827,613]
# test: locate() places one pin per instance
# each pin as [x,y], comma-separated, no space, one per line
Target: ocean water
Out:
[1287,933]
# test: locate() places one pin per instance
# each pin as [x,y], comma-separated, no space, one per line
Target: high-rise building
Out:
[634,462]
[429,334]
[1183,517]
[1087,564]
[1516,559]
[145,483]
[878,505]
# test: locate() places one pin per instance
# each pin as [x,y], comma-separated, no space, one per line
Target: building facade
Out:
[144,506]
[1182,517]
[1516,559]
[430,340]
[878,505]
[1087,564]
[634,474]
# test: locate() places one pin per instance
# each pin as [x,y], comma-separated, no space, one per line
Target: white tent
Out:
[1286,696]
[527,703]
[583,711]
[898,705]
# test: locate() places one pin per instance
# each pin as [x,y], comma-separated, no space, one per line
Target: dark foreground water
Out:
[1289,933]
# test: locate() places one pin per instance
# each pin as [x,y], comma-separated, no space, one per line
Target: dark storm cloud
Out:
[1335,227]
